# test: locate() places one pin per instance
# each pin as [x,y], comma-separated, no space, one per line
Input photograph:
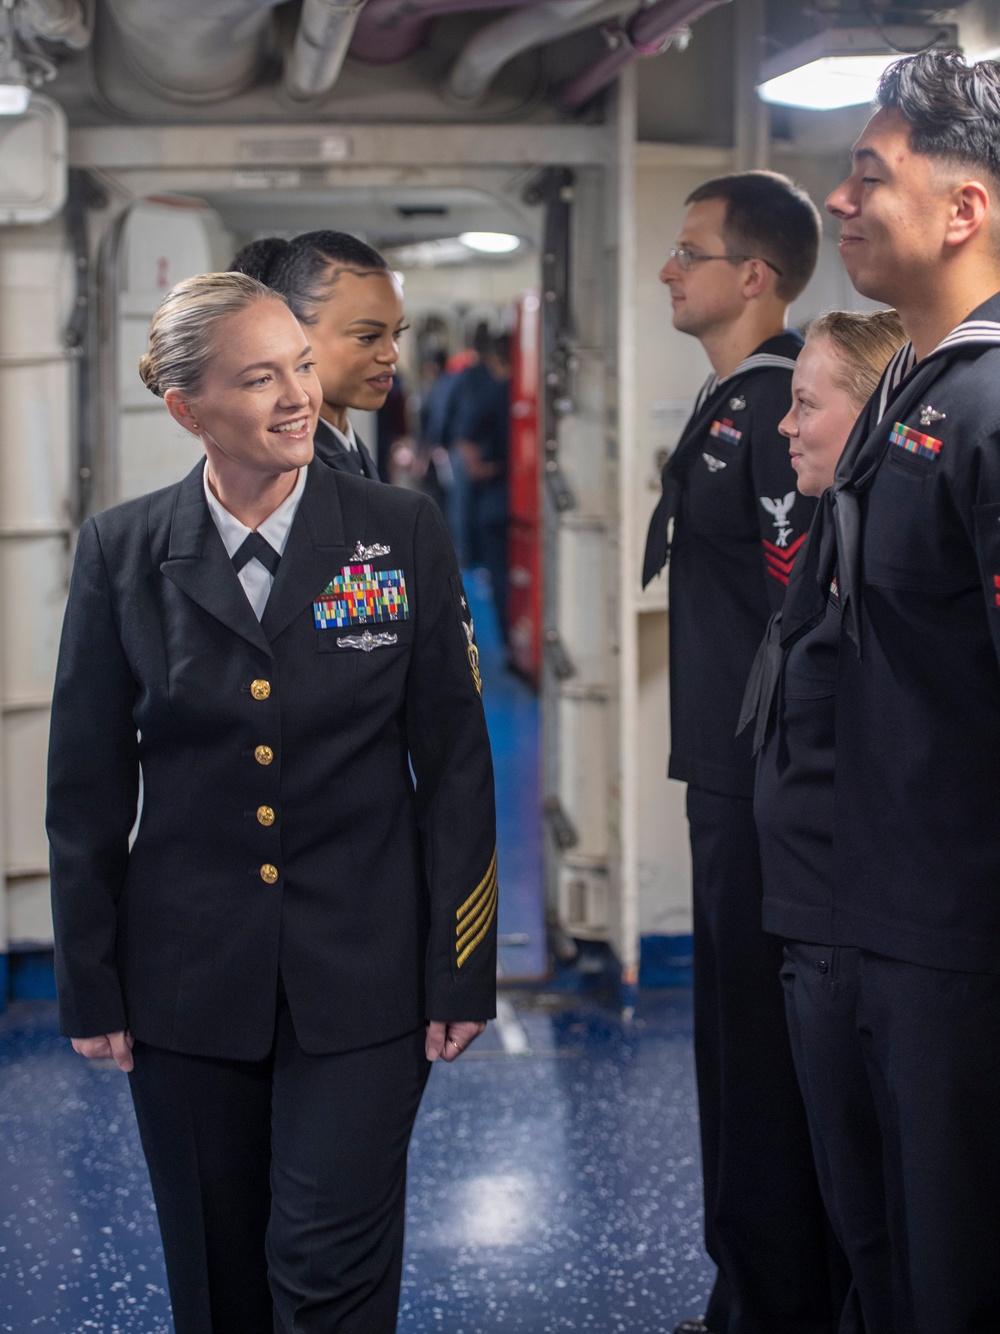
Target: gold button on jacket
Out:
[268,873]
[263,754]
[265,815]
[260,689]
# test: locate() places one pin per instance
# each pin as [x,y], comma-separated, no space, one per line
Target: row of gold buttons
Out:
[264,755]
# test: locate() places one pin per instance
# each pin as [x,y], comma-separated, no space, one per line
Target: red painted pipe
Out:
[391,30]
[646,34]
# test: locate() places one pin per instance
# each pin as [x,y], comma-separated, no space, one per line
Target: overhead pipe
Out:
[70,22]
[194,51]
[392,30]
[321,41]
[648,34]
[485,54]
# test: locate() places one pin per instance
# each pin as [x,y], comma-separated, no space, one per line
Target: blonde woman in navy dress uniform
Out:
[307,915]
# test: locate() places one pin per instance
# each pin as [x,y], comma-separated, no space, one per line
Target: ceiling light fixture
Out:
[491,243]
[841,67]
[14,99]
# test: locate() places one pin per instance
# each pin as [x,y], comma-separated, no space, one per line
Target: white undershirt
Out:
[256,580]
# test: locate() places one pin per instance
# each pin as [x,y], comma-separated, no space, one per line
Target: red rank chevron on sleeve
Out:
[781,559]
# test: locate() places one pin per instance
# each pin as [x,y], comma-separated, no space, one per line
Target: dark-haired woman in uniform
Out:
[306,917]
[351,304]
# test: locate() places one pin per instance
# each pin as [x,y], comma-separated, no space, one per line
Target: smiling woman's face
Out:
[821,416]
[259,398]
[355,338]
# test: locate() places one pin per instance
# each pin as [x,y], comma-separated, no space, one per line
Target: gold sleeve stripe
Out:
[472,902]
[464,932]
[480,934]
[475,912]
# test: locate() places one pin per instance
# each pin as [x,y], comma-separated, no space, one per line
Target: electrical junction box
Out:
[33,169]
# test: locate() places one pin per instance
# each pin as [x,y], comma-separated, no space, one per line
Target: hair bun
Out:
[147,373]
[260,258]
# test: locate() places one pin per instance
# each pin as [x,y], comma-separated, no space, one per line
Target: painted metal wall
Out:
[36,397]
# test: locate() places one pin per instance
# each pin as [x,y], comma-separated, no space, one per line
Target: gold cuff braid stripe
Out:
[471,927]
[472,903]
[481,933]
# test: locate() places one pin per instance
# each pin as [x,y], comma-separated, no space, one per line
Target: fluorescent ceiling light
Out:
[833,81]
[490,243]
[841,67]
[428,254]
[14,98]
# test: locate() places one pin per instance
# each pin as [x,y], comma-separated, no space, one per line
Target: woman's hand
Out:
[116,1045]
[448,1041]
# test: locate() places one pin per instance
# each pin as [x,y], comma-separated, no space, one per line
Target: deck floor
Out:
[555,1187]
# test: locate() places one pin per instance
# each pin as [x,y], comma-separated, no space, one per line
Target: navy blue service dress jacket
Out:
[915,513]
[917,794]
[282,829]
[739,523]
[332,450]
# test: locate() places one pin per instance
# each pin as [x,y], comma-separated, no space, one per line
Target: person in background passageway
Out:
[481,429]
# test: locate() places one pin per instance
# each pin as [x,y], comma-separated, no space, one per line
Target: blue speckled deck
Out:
[554,1190]
[513,720]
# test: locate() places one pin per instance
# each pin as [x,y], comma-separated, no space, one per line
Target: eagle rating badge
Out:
[465,617]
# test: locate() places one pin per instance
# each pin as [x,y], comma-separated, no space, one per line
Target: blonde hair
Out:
[865,344]
[183,325]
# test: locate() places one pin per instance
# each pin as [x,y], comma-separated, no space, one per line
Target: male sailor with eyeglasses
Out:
[732,521]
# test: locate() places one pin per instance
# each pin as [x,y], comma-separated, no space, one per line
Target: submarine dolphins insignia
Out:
[367,641]
[737,403]
[929,415]
[361,552]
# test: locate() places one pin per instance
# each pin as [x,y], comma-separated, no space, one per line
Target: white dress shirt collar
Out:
[349,440]
[256,580]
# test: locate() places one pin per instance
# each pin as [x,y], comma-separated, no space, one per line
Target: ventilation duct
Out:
[194,50]
[485,54]
[391,30]
[317,55]
[649,33]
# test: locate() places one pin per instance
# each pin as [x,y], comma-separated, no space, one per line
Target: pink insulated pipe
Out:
[391,30]
[645,36]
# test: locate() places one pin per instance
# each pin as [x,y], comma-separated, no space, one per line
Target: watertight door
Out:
[152,245]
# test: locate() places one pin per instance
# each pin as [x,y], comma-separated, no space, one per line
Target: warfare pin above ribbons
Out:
[363,553]
[929,415]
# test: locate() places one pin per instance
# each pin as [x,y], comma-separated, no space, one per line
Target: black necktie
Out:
[258,546]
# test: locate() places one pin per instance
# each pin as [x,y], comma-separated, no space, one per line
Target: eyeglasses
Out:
[687,259]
